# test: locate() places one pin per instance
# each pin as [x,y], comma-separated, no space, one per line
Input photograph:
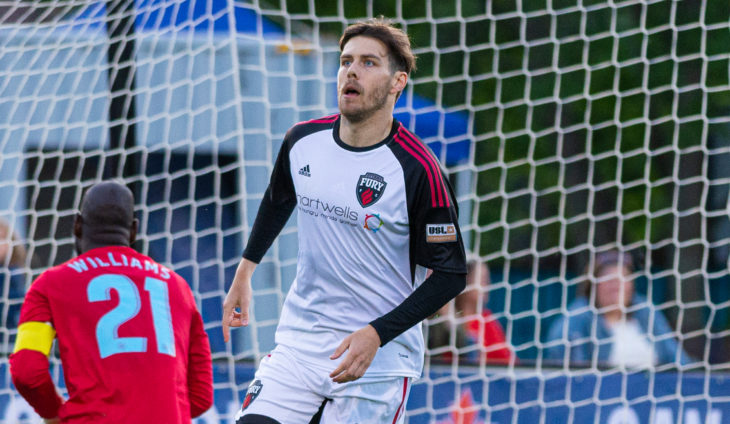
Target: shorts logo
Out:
[370,188]
[253,391]
[373,222]
[440,233]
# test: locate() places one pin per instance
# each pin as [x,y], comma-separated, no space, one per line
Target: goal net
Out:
[569,128]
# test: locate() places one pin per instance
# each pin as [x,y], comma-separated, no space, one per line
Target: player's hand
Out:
[363,344]
[52,420]
[239,296]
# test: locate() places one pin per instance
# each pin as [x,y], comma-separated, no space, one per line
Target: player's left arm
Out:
[437,245]
[29,368]
[363,344]
[443,252]
[200,372]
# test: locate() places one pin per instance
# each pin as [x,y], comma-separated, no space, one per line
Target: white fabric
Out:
[291,392]
[631,348]
[348,275]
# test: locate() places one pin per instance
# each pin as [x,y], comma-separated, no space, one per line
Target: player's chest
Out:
[362,190]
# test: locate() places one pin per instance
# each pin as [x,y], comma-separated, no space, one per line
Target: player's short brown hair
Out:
[400,56]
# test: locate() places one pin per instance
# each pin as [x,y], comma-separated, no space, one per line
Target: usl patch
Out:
[440,233]
[253,391]
[370,188]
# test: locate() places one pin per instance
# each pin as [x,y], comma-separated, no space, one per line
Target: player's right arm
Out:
[276,206]
[239,296]
[29,361]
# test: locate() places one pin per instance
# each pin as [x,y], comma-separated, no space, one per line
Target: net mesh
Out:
[568,128]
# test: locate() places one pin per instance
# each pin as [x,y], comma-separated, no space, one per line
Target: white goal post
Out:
[568,128]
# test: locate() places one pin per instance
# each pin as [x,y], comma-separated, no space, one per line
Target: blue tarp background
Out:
[500,396]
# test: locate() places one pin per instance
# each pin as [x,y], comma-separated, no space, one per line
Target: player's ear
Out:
[78,226]
[400,79]
[133,231]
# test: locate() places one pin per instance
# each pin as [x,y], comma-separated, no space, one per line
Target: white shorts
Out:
[291,392]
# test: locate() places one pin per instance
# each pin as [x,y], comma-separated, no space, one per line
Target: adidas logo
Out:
[305,171]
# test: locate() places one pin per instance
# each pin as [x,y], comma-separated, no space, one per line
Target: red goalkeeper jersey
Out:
[130,337]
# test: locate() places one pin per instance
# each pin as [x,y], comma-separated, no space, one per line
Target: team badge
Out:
[253,391]
[370,188]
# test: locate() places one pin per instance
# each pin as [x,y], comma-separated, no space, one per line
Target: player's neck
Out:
[87,245]
[367,132]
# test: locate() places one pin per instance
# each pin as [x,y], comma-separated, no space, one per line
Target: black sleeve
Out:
[435,233]
[276,207]
[426,300]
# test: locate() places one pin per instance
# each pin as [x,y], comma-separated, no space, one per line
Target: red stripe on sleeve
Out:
[407,148]
[443,197]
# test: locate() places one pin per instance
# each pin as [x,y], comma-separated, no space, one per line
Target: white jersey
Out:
[370,222]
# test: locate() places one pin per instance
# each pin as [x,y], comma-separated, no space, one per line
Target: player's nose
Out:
[352,71]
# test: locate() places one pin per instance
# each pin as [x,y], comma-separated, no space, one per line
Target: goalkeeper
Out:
[131,340]
[374,213]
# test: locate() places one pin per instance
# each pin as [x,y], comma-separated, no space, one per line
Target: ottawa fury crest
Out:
[370,188]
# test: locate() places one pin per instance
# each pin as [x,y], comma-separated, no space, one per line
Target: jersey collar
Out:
[338,140]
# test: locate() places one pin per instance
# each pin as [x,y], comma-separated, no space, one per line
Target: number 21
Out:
[107,337]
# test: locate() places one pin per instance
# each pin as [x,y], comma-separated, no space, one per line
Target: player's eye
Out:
[369,63]
[346,62]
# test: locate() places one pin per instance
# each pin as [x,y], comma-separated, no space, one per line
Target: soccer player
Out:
[374,213]
[131,340]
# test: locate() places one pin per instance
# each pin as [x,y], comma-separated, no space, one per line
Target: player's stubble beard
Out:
[379,98]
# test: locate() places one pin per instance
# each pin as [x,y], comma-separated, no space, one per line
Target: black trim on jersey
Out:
[448,257]
[425,301]
[338,140]
[280,198]
[270,220]
[256,419]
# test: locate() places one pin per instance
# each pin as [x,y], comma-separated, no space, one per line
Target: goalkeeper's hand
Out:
[239,296]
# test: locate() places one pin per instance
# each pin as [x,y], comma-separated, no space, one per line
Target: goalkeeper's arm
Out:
[29,369]
[200,372]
